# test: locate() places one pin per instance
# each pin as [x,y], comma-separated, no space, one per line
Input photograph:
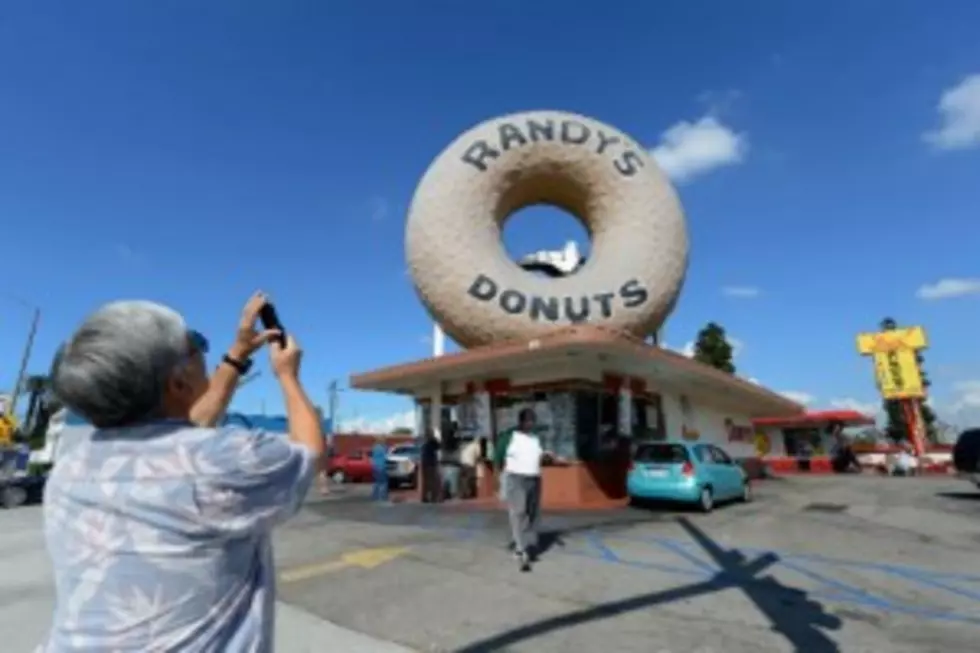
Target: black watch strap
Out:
[242,367]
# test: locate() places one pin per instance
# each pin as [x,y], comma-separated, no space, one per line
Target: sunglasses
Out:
[198,342]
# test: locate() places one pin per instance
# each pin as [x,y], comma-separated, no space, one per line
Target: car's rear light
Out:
[687,469]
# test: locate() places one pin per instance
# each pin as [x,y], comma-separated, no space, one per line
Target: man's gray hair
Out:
[114,369]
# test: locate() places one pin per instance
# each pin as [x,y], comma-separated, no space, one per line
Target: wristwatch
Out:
[242,367]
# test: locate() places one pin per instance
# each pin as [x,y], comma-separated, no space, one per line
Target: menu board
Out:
[563,424]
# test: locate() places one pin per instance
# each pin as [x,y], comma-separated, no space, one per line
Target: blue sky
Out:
[192,152]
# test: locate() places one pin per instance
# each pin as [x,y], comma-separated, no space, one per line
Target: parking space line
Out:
[840,586]
[902,570]
[598,545]
[597,548]
[695,560]
[925,579]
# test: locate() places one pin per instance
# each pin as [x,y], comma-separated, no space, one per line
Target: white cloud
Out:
[849,403]
[737,346]
[804,398]
[964,409]
[378,209]
[383,425]
[742,292]
[947,288]
[688,149]
[959,117]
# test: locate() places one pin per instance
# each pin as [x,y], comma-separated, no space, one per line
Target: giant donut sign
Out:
[465,277]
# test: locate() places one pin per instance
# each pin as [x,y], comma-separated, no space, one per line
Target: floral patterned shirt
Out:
[160,537]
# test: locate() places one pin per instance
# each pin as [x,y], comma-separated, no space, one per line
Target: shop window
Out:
[555,416]
[802,442]
[587,425]
[648,420]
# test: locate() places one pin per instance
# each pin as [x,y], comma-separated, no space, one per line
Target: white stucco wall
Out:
[708,421]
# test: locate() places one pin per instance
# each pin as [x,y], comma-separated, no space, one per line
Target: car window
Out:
[357,455]
[720,456]
[702,454]
[661,453]
[408,450]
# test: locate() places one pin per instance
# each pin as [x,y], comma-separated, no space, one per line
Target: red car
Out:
[350,468]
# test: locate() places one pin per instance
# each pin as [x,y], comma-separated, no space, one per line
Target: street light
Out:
[28,346]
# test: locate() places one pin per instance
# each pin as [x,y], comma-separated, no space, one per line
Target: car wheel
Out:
[339,478]
[13,497]
[746,492]
[706,502]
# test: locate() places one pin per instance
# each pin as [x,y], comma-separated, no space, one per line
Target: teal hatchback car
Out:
[686,472]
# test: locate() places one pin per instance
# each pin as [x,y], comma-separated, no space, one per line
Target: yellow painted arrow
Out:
[363,558]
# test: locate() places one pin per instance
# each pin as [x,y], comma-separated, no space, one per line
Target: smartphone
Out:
[270,320]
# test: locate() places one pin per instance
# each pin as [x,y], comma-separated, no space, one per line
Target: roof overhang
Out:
[608,349]
[816,418]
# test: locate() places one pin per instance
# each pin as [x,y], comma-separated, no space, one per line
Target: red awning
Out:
[817,418]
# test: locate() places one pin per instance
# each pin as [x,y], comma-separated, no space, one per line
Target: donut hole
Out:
[542,228]
[540,211]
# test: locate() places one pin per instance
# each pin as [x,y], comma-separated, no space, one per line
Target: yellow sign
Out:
[762,444]
[364,558]
[896,368]
[913,338]
[8,425]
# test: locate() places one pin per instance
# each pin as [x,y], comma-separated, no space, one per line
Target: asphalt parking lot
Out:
[814,564]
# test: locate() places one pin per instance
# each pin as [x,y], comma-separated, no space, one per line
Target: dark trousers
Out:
[431,484]
[467,482]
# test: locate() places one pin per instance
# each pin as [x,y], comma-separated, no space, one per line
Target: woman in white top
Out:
[522,466]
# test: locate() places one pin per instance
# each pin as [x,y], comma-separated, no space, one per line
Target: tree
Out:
[925,410]
[402,431]
[712,348]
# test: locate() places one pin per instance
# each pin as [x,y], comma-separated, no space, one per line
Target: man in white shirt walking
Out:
[522,456]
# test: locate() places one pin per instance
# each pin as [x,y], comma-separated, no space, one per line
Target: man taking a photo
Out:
[158,524]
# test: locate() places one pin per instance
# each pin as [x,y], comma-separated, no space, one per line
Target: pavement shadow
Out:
[552,535]
[960,496]
[792,613]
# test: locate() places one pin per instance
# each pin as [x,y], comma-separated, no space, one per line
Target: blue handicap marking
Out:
[844,590]
[682,551]
[925,578]
[598,547]
[821,571]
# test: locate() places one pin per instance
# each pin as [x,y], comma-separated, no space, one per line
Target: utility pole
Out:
[22,373]
[332,408]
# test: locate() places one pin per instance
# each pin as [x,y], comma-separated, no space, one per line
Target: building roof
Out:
[618,352]
[816,418]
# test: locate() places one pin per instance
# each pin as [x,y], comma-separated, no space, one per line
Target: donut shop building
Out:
[569,345]
[593,390]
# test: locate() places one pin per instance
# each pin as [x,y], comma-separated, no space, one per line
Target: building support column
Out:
[435,412]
